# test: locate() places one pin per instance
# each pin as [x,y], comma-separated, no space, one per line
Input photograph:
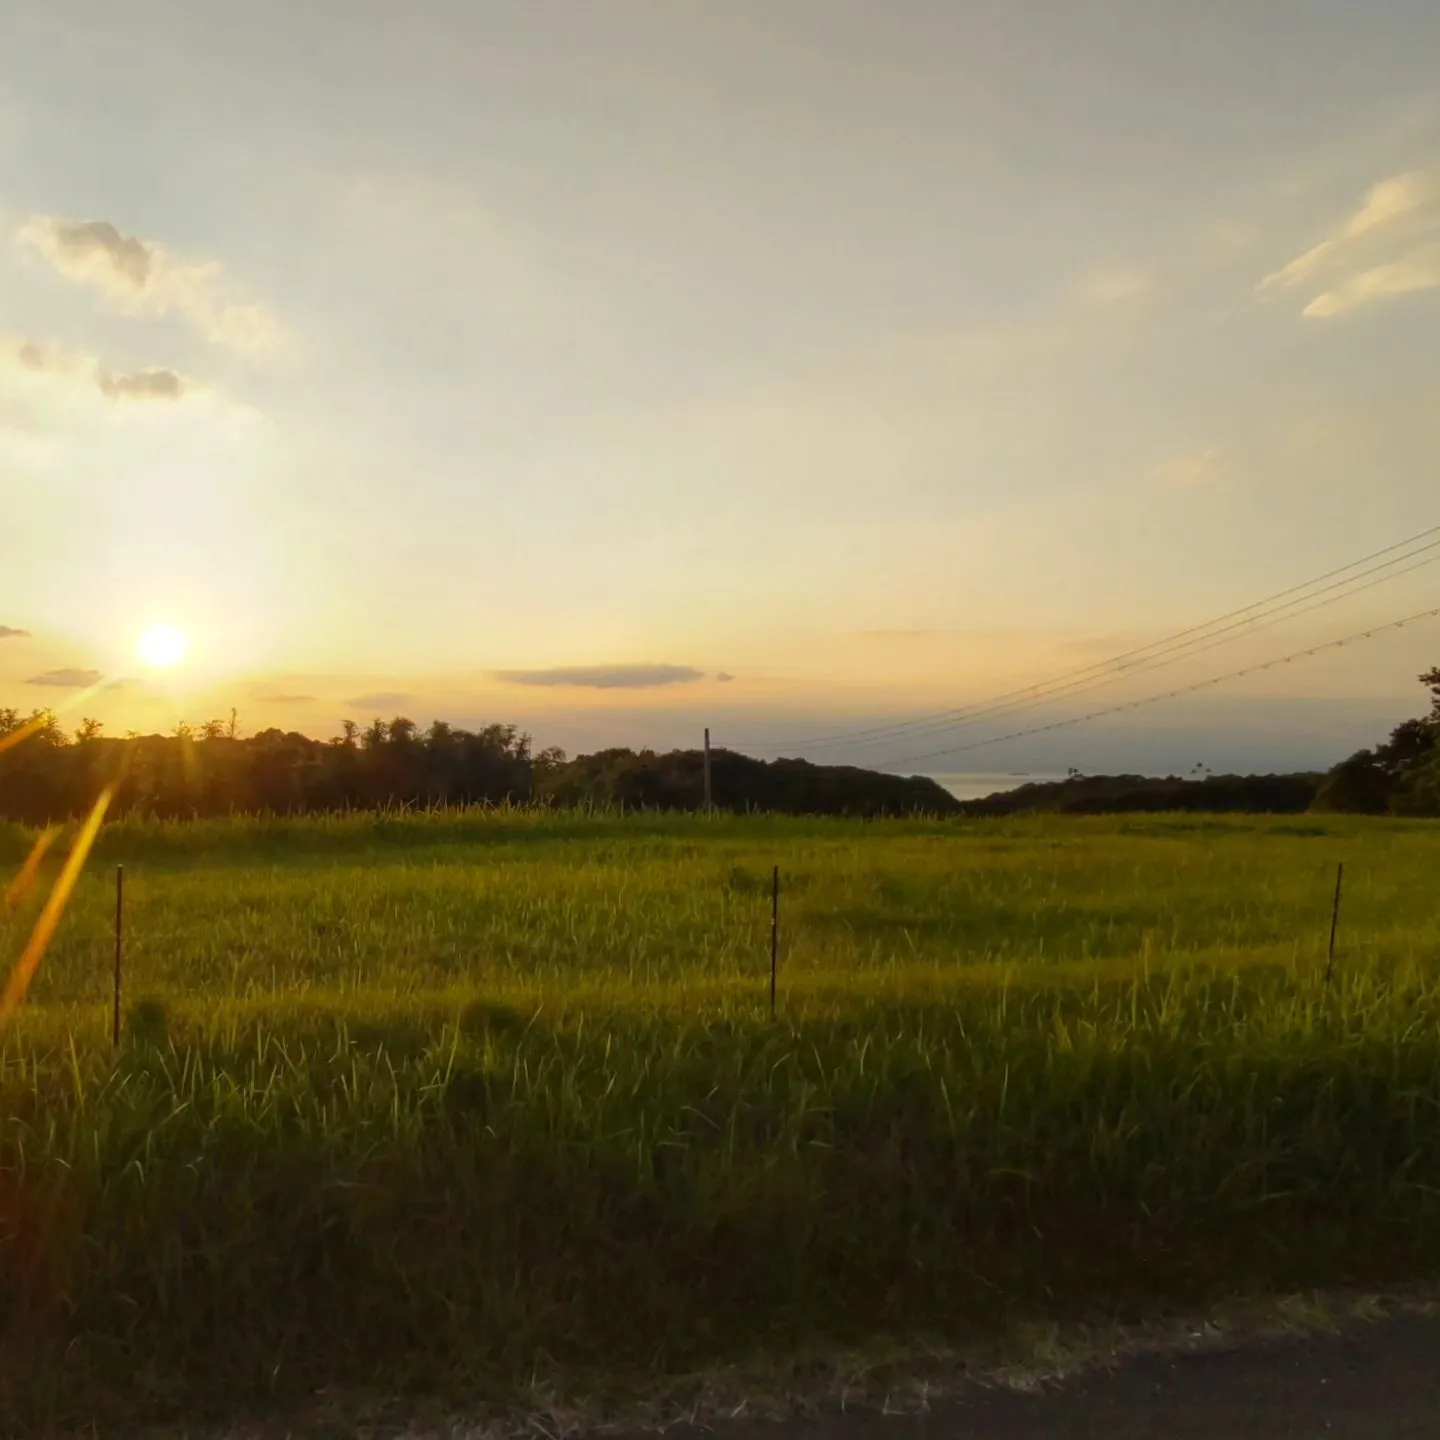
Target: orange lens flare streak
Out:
[36,722]
[45,926]
[23,733]
[18,888]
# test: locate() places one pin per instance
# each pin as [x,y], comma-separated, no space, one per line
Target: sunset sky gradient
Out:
[622,368]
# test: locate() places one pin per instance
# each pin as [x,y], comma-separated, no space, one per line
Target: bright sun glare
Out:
[162,646]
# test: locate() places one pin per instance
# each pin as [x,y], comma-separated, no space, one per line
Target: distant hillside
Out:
[1118,794]
[675,781]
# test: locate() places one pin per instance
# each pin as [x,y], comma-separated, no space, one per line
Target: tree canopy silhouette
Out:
[211,770]
[1400,777]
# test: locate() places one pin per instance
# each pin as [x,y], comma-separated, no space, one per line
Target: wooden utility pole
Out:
[709,794]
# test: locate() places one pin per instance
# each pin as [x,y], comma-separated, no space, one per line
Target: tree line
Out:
[1399,777]
[212,769]
[1137,794]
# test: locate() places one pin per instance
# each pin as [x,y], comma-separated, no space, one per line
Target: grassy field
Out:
[468,1107]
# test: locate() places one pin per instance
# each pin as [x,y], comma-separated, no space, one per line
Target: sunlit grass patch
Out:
[431,1111]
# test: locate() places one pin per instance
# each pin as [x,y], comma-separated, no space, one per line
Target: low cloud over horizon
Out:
[381,700]
[67,679]
[605,677]
[10,632]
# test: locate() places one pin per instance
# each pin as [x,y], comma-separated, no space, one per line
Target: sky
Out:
[788,368]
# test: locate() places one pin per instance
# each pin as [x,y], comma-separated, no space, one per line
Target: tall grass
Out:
[437,1106]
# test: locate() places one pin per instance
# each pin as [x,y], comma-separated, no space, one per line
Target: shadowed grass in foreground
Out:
[435,1119]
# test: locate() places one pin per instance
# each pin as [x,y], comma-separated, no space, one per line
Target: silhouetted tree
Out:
[46,778]
[1400,777]
[47,727]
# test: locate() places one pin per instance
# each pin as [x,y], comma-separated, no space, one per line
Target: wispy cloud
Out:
[68,679]
[1419,270]
[1193,470]
[144,278]
[901,635]
[308,699]
[9,632]
[1228,237]
[605,677]
[37,359]
[380,700]
[1389,246]
[1112,286]
[151,383]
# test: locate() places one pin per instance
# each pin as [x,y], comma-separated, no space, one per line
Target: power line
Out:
[1188,651]
[1175,647]
[1168,694]
[1141,656]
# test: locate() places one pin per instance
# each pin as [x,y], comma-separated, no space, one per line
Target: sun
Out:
[162,646]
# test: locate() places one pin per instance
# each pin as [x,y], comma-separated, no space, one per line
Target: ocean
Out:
[970,785]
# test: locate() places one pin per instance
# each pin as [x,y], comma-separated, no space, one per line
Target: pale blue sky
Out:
[715,336]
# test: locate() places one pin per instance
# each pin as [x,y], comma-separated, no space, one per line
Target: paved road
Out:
[1375,1382]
